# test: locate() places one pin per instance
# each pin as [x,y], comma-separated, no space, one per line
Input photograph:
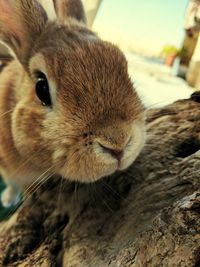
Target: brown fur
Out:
[94,101]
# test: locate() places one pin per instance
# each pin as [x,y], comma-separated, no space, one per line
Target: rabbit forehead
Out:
[89,80]
[87,64]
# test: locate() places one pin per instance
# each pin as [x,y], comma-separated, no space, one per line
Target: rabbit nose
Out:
[118,154]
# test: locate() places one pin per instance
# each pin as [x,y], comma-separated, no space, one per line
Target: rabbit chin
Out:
[94,173]
[86,177]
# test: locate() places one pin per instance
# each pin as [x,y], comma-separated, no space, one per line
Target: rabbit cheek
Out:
[134,148]
[59,157]
[26,131]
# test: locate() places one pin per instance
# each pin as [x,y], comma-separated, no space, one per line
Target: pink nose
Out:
[118,154]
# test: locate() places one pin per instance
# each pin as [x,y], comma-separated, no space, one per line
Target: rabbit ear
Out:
[21,22]
[69,8]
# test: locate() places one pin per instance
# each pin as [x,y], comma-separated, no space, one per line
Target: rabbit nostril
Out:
[118,154]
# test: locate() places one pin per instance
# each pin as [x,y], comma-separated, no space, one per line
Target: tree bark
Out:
[148,215]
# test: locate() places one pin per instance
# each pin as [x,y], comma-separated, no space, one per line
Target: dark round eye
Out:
[42,89]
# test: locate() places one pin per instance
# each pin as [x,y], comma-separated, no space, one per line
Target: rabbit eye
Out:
[42,89]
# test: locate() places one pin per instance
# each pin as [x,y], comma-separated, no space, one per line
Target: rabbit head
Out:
[76,110]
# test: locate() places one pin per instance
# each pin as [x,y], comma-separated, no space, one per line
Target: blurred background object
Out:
[192,17]
[192,27]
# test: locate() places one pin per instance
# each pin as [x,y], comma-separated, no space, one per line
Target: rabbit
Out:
[67,104]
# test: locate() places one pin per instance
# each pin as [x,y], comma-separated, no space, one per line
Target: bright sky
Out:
[145,24]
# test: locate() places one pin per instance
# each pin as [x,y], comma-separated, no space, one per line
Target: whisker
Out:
[27,196]
[112,190]
[35,183]
[60,191]
[40,183]
[5,113]
[105,203]
[76,185]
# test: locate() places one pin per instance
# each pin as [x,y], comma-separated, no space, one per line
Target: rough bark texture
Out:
[148,215]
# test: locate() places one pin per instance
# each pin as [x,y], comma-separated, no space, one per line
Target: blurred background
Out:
[159,38]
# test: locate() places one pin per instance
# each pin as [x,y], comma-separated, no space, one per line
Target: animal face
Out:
[77,112]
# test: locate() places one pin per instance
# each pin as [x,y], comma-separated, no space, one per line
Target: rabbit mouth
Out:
[89,171]
[84,177]
[99,159]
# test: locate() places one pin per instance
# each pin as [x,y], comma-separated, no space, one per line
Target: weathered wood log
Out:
[148,215]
